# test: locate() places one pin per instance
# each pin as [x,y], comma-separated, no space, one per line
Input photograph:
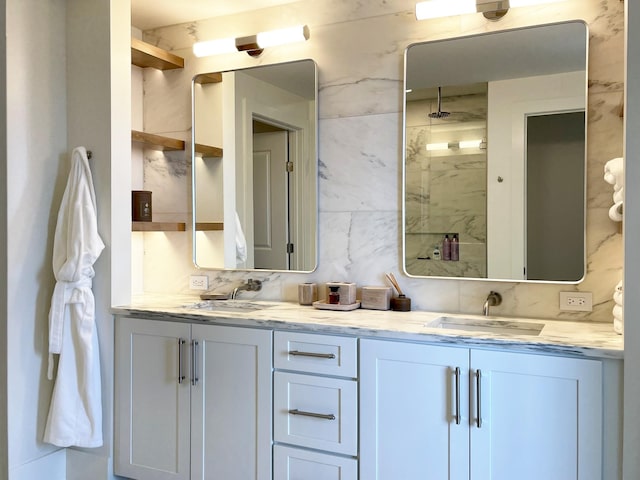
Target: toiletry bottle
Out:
[455,248]
[446,248]
[334,295]
[436,253]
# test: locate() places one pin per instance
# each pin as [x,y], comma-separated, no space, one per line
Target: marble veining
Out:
[557,337]
[359,47]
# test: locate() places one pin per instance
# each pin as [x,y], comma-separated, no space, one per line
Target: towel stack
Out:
[614,175]
[618,318]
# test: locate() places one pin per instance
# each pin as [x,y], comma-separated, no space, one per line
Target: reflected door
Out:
[270,200]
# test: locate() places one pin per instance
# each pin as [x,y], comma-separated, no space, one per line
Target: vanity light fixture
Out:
[491,9]
[254,45]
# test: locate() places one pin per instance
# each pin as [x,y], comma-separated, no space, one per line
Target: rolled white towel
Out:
[615,212]
[618,326]
[614,171]
[618,294]
[618,194]
[618,320]
[617,298]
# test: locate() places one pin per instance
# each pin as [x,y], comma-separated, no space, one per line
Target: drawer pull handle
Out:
[181,377]
[478,397]
[311,354]
[323,416]
[457,374]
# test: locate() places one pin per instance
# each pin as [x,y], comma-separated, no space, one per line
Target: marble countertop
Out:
[584,339]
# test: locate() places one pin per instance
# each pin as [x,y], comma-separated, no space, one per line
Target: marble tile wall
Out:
[359,47]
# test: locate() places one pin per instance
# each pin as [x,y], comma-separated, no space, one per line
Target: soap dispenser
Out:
[455,248]
[446,248]
[436,252]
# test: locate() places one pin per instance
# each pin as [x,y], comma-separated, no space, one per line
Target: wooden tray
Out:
[323,305]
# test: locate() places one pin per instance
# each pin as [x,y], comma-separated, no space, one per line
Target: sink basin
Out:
[504,327]
[235,306]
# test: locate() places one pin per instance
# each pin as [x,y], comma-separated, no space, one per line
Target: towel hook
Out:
[89,154]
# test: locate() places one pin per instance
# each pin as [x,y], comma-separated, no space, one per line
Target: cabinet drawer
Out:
[322,354]
[315,412]
[295,464]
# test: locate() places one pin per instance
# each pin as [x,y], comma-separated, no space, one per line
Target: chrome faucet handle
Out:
[254,285]
[493,299]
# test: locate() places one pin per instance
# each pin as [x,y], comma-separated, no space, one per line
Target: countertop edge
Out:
[386,325]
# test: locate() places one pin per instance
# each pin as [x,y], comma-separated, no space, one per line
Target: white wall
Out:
[631,451]
[510,101]
[4,231]
[37,165]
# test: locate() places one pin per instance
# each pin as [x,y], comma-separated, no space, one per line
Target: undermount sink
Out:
[237,306]
[505,327]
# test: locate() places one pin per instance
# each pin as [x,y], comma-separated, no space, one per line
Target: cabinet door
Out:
[152,401]
[413,420]
[540,417]
[231,404]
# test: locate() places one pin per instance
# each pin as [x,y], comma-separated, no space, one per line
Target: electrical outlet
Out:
[576,301]
[199,282]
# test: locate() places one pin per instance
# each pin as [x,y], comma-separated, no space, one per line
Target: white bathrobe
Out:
[75,414]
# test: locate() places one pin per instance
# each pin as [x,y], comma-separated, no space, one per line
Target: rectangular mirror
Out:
[495,155]
[255,192]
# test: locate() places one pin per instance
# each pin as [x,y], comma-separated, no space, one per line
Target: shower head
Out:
[439,113]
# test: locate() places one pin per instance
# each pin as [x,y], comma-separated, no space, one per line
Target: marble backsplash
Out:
[359,48]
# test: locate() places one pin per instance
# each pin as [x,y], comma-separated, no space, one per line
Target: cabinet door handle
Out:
[478,397]
[311,354]
[457,374]
[194,362]
[323,416]
[181,377]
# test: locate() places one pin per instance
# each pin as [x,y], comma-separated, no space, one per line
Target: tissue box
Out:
[376,298]
[347,292]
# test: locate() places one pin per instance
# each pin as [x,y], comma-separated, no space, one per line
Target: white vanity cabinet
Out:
[315,407]
[192,401]
[454,413]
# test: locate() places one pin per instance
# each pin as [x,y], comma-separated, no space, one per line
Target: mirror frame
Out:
[404,158]
[312,162]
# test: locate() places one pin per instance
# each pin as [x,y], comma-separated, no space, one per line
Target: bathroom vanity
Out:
[262,390]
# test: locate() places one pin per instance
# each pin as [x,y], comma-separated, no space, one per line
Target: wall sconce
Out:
[254,45]
[491,9]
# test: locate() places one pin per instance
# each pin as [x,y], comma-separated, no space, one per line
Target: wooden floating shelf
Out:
[205,78]
[208,151]
[158,227]
[158,142]
[145,55]
[209,226]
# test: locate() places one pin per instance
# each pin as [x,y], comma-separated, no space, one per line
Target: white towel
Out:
[614,172]
[614,175]
[618,316]
[75,414]
[617,294]
[241,242]
[615,212]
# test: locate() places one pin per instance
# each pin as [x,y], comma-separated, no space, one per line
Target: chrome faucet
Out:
[251,286]
[493,299]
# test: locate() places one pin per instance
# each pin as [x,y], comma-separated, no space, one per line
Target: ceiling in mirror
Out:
[255,208]
[494,155]
[148,14]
